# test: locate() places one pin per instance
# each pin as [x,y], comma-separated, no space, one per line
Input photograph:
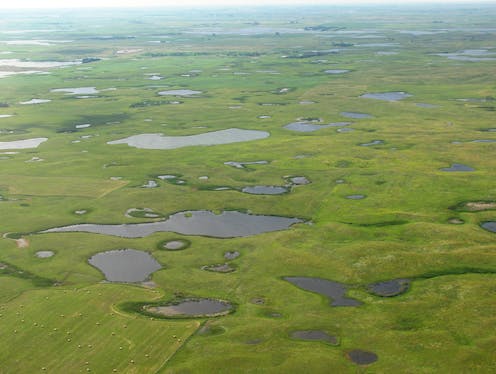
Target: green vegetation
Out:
[257,69]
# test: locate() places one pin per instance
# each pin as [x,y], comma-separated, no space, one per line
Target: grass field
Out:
[257,69]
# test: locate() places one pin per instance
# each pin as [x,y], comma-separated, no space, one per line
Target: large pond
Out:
[386,96]
[126,265]
[334,290]
[192,308]
[158,141]
[228,224]
[23,144]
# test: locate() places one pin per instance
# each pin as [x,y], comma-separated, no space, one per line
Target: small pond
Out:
[310,127]
[386,96]
[373,142]
[192,308]
[458,167]
[44,254]
[125,265]
[219,268]
[425,105]
[390,288]
[231,255]
[158,141]
[356,115]
[175,245]
[336,71]
[77,90]
[356,197]
[334,290]
[228,224]
[241,165]
[299,181]
[362,357]
[35,101]
[489,226]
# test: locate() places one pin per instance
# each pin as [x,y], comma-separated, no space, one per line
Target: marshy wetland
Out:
[280,190]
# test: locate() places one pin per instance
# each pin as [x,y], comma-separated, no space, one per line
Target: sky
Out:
[27,4]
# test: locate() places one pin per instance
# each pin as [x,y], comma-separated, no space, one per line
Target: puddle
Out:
[489,226]
[23,144]
[125,265]
[390,288]
[314,335]
[219,268]
[362,357]
[231,255]
[192,308]
[77,90]
[228,224]
[458,167]
[355,115]
[386,96]
[241,165]
[336,71]
[373,142]
[334,290]
[158,141]
[355,197]
[184,93]
[265,190]
[35,101]
[175,245]
[44,254]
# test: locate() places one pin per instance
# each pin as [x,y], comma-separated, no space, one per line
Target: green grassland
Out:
[57,314]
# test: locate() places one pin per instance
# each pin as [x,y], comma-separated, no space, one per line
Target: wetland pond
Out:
[44,254]
[356,115]
[77,90]
[158,141]
[362,357]
[489,226]
[389,288]
[333,290]
[458,167]
[265,190]
[310,127]
[183,93]
[228,224]
[125,265]
[386,96]
[314,335]
[23,144]
[192,308]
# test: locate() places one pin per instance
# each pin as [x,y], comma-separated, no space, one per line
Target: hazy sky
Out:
[8,4]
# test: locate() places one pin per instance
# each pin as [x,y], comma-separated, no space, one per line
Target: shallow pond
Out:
[158,141]
[390,288]
[35,101]
[336,71]
[241,165]
[299,181]
[314,335]
[231,255]
[362,357]
[310,127]
[356,197]
[193,308]
[125,265]
[175,245]
[458,167]
[179,93]
[356,115]
[334,290]
[265,190]
[23,144]
[228,224]
[489,226]
[386,96]
[373,142]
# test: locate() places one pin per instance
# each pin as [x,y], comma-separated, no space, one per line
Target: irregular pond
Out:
[77,90]
[228,224]
[265,190]
[219,268]
[158,141]
[23,144]
[390,288]
[356,115]
[458,167]
[489,226]
[35,101]
[241,165]
[310,127]
[362,357]
[386,96]
[314,335]
[125,265]
[334,290]
[44,254]
[192,308]
[373,142]
[336,71]
[231,255]
[179,93]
